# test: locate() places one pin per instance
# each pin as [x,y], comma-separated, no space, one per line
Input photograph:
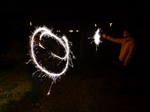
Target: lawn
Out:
[84,88]
[14,85]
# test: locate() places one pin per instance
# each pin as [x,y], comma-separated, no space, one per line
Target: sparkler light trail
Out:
[44,31]
[97,37]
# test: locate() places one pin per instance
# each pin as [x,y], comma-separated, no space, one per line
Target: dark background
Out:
[94,79]
[16,15]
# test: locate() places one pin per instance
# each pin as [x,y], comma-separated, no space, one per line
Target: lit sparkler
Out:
[44,31]
[97,37]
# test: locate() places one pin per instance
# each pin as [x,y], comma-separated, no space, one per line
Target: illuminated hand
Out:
[104,35]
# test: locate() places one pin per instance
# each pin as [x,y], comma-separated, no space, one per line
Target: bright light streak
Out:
[96,38]
[44,31]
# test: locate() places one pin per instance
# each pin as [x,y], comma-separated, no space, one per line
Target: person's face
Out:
[36,42]
[126,34]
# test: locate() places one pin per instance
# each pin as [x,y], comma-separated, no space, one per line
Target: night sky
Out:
[47,8]
[64,10]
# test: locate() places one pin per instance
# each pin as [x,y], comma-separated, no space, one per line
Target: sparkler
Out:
[44,31]
[97,37]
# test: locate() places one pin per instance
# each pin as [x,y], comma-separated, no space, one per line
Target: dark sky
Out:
[48,8]
[77,9]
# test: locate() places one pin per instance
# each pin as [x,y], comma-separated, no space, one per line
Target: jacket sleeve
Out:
[117,40]
[130,54]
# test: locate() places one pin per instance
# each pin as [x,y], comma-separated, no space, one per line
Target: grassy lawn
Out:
[14,85]
[88,87]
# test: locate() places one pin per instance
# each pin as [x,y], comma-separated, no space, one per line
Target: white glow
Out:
[96,38]
[77,30]
[110,24]
[95,25]
[44,31]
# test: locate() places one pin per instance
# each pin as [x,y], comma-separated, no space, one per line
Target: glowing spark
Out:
[96,38]
[44,31]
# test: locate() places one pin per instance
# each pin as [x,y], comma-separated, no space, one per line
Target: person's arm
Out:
[130,54]
[117,40]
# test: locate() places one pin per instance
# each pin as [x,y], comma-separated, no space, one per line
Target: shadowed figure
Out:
[44,58]
[125,57]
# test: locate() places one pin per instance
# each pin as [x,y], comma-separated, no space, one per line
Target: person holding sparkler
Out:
[126,54]
[42,53]
[37,76]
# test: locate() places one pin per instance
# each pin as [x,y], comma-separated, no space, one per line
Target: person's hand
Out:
[104,35]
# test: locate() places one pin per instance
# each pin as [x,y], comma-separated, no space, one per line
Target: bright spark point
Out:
[44,31]
[96,38]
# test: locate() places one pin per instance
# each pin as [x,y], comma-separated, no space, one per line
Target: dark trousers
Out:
[124,74]
[36,80]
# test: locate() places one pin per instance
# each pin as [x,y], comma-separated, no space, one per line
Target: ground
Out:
[90,93]
[78,94]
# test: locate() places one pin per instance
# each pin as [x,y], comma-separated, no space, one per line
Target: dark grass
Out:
[93,85]
[14,83]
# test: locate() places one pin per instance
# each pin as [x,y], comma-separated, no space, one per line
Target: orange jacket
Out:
[127,48]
